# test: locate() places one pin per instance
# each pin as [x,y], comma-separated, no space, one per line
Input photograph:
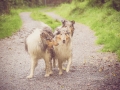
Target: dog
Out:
[63,52]
[70,27]
[39,44]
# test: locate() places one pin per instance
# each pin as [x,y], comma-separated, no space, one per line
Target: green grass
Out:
[37,15]
[105,21]
[9,24]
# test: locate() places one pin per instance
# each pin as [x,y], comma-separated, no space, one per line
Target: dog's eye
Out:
[58,38]
[66,34]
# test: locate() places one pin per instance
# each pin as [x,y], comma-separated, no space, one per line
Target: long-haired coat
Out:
[67,26]
[63,52]
[38,45]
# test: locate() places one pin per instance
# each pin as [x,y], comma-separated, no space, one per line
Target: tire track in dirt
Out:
[90,70]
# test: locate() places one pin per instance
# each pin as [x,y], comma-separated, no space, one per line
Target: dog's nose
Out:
[63,41]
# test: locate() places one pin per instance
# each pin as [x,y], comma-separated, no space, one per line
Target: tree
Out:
[116,4]
[4,6]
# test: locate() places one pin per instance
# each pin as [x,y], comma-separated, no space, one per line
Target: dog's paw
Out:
[47,75]
[51,72]
[64,68]
[67,70]
[30,76]
[60,73]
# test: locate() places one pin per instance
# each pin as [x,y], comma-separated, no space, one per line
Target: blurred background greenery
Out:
[102,16]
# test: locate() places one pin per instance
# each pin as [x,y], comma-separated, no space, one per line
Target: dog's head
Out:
[63,36]
[69,25]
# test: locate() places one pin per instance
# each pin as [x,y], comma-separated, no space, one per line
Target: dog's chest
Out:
[63,51]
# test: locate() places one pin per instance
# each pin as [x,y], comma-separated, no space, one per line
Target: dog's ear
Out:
[73,22]
[58,32]
[63,23]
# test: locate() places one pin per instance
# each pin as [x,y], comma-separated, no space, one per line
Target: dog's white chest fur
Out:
[63,51]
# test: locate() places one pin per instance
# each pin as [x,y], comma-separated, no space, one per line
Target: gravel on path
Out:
[90,70]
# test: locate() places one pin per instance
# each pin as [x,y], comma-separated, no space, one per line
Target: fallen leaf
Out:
[101,69]
[114,74]
[10,48]
[88,84]
[84,62]
[62,86]
[109,65]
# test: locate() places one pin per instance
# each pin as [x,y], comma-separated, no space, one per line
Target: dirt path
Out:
[90,70]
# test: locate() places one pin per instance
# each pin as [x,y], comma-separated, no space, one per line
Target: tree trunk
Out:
[102,1]
[5,6]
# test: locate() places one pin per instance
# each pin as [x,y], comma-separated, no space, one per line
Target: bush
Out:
[94,3]
[98,3]
[9,23]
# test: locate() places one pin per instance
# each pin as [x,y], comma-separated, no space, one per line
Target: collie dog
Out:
[39,45]
[63,34]
[63,52]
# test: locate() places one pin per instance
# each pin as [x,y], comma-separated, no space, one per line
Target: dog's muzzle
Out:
[63,41]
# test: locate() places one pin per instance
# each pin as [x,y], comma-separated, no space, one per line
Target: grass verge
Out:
[37,15]
[9,24]
[104,20]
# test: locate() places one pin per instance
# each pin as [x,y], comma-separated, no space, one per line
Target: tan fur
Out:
[63,51]
[70,28]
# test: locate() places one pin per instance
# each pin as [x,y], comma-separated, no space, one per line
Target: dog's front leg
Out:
[60,66]
[54,62]
[48,66]
[69,64]
[34,63]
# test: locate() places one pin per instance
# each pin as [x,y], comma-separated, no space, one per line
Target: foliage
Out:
[104,20]
[6,5]
[112,3]
[9,24]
